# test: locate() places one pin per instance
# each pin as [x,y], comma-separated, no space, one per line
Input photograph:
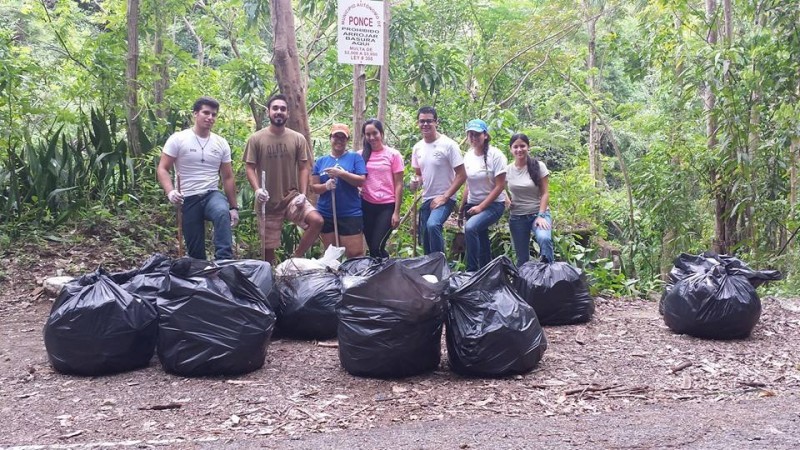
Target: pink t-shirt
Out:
[381,167]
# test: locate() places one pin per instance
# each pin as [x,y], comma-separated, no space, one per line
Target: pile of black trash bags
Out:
[392,315]
[213,319]
[713,296]
[203,318]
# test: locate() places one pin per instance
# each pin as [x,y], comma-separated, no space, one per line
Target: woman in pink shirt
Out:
[382,192]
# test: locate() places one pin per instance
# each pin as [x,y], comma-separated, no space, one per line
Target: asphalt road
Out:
[768,423]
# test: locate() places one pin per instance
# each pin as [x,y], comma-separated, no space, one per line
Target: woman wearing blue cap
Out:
[483,201]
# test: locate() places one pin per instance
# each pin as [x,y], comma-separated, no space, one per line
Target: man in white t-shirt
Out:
[200,157]
[440,169]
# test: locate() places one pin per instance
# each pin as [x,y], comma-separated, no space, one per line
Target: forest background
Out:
[669,126]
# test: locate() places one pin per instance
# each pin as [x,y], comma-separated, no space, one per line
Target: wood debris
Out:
[681,366]
[171,405]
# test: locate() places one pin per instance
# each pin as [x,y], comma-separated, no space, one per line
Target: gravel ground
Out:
[621,381]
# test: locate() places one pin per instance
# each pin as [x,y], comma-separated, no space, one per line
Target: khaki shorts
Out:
[296,214]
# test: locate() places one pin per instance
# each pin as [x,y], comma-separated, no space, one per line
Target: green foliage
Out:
[520,65]
[575,200]
[603,277]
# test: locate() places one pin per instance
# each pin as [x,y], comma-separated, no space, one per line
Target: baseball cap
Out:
[340,128]
[477,125]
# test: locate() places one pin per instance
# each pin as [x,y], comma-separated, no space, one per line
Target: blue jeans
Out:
[212,206]
[476,234]
[431,223]
[521,227]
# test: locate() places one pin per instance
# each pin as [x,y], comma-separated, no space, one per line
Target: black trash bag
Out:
[719,301]
[557,291]
[490,330]
[157,262]
[686,265]
[712,305]
[259,272]
[308,305]
[146,285]
[456,280]
[212,322]
[148,279]
[390,324]
[361,266]
[96,327]
[432,264]
[188,266]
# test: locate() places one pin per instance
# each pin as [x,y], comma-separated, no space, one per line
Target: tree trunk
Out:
[131,74]
[794,160]
[667,253]
[359,103]
[750,231]
[595,163]
[383,97]
[720,244]
[287,67]
[738,226]
[753,142]
[162,82]
[794,156]
[201,54]
[669,241]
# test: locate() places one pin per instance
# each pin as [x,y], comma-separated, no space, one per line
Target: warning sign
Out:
[360,32]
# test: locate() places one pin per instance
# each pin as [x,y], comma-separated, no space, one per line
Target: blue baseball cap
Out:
[478,125]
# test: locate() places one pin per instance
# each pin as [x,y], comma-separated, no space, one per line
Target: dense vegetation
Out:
[670,126]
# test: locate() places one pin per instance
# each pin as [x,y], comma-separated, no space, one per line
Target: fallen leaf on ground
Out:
[399,389]
[71,435]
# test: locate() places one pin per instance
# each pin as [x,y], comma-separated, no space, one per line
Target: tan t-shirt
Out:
[279,156]
[525,196]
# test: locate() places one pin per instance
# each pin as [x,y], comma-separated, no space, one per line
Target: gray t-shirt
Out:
[437,161]
[525,196]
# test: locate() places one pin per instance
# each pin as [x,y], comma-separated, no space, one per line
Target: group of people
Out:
[360,193]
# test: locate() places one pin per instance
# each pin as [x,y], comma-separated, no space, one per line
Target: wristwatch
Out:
[234,207]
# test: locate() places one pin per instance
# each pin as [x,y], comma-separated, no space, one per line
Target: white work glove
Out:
[415,183]
[234,217]
[175,197]
[330,184]
[262,195]
[299,200]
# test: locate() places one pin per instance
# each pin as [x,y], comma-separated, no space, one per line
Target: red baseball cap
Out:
[340,128]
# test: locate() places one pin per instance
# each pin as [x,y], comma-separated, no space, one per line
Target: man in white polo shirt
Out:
[439,169]
[200,157]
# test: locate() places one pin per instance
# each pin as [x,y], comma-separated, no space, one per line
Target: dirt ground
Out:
[621,381]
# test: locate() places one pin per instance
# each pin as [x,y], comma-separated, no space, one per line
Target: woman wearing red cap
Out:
[341,174]
[483,201]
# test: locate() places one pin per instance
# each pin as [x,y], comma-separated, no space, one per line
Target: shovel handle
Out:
[180,217]
[335,222]
[263,228]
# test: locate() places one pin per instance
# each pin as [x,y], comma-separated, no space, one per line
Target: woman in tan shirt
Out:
[527,183]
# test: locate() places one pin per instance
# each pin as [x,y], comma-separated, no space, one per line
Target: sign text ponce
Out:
[360,32]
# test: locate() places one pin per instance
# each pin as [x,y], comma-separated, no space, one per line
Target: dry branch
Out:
[592,388]
[171,405]
[681,366]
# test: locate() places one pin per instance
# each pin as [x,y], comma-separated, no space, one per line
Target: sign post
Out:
[360,32]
